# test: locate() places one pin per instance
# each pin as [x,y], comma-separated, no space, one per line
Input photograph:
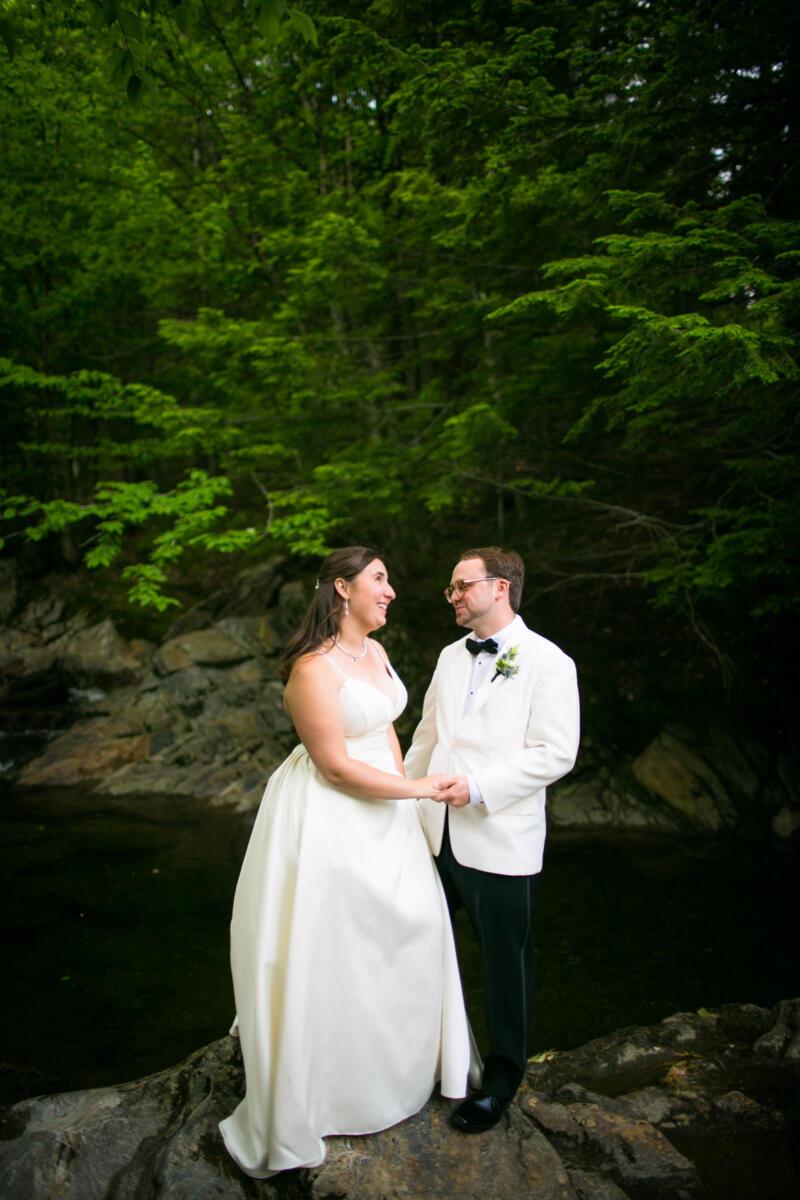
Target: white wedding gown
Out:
[349,1002]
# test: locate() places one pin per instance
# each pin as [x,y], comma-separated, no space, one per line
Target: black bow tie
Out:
[490,646]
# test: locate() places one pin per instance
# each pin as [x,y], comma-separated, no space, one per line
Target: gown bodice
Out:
[367,712]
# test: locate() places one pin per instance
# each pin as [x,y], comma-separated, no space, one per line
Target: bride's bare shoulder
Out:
[309,666]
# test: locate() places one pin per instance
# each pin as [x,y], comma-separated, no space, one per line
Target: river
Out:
[116,915]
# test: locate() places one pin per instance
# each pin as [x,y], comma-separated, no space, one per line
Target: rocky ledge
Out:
[201,715]
[704,1106]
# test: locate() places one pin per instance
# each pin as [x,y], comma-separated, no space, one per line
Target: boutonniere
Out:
[506,665]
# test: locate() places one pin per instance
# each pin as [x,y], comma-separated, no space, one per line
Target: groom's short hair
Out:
[505,564]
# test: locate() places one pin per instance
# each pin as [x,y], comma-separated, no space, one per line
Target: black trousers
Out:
[500,910]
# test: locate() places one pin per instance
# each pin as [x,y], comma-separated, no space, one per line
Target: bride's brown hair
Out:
[323,618]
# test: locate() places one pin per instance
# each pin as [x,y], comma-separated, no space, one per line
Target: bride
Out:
[349,1004]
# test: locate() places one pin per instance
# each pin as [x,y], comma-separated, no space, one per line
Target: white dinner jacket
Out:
[520,734]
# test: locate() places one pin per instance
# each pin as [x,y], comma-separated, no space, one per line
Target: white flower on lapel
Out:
[506,664]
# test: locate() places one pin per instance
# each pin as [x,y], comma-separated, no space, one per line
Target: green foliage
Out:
[705,365]
[529,270]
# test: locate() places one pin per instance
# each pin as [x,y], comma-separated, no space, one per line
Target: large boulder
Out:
[698,779]
[203,647]
[81,653]
[201,715]
[707,776]
[159,1137]
[82,755]
[99,655]
[638,1115]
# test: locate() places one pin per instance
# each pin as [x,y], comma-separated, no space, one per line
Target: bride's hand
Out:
[430,785]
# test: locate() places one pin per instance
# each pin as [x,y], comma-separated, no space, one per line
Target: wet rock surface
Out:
[704,1106]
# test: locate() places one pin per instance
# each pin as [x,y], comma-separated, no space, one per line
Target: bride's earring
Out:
[346,606]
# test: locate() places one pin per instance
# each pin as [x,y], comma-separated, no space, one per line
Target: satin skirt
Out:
[349,1001]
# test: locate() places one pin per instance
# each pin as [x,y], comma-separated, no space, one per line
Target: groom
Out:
[501,714]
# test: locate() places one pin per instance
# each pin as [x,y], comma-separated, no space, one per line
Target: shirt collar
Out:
[502,635]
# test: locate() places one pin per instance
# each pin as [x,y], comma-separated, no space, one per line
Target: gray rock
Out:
[595,1187]
[638,1104]
[200,716]
[595,803]
[204,647]
[633,1152]
[684,781]
[424,1158]
[256,633]
[553,1118]
[186,687]
[97,654]
[781,1040]
[158,1138]
[652,1104]
[23,657]
[44,614]
[124,1141]
[82,654]
[706,776]
[702,780]
[210,700]
[78,757]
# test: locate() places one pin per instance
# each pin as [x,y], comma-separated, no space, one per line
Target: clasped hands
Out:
[450,789]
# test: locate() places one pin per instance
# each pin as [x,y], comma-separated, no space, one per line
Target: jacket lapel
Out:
[517,637]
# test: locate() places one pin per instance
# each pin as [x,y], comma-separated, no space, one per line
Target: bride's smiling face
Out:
[370,595]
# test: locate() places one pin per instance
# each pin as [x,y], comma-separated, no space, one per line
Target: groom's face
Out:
[478,599]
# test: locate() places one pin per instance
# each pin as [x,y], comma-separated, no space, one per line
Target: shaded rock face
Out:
[699,780]
[201,715]
[638,1115]
[704,1104]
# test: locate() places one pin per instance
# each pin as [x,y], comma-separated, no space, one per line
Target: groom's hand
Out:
[457,793]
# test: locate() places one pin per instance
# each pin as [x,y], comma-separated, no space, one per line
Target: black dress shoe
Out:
[478,1113]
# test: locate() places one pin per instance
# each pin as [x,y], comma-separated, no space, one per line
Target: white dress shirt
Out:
[482,664]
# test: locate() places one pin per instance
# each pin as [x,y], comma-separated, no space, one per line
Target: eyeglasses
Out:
[462,585]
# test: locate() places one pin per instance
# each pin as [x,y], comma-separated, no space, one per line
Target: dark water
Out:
[116,914]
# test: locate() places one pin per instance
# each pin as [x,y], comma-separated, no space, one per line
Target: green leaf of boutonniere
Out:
[506,665]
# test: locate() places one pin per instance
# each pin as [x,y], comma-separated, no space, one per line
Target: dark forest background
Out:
[424,275]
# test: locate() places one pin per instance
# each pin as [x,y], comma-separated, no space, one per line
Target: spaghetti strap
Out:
[373,652]
[383,657]
[326,655]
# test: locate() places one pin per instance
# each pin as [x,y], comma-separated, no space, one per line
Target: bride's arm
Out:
[312,698]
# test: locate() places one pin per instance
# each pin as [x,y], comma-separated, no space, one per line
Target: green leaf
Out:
[130,24]
[303,24]
[269,25]
[119,67]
